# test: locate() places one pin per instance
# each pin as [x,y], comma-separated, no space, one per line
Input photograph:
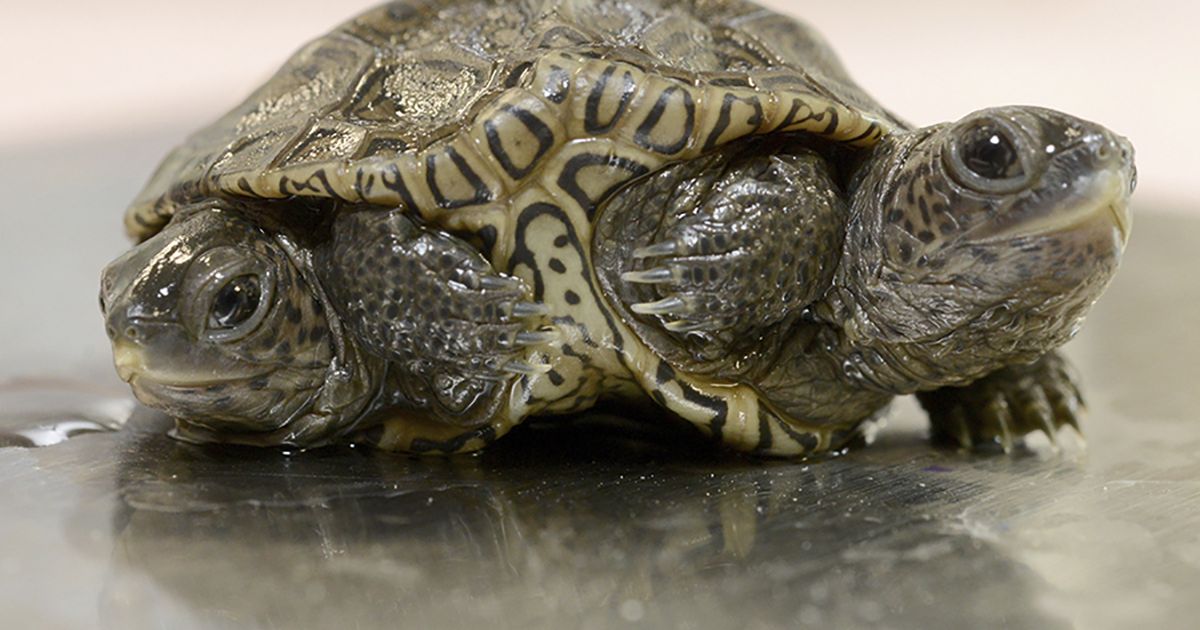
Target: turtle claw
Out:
[1073,422]
[955,426]
[524,310]
[1047,428]
[526,369]
[1039,414]
[499,283]
[536,338]
[661,307]
[997,415]
[1005,437]
[691,277]
[528,339]
[664,248]
[685,326]
[1002,407]
[658,275]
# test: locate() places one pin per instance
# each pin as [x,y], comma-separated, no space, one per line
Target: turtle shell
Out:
[455,108]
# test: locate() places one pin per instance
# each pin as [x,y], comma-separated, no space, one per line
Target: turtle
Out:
[443,218]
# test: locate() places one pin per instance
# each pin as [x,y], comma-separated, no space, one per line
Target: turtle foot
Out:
[692,277]
[998,410]
[746,241]
[430,303]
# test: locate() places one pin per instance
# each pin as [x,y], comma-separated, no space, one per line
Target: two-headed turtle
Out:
[445,217]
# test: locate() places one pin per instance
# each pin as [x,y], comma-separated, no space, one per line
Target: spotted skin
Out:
[409,106]
[450,327]
[503,129]
[999,408]
[710,257]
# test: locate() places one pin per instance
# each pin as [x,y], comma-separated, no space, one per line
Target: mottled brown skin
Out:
[270,379]
[428,227]
[924,284]
[935,268]
[751,233]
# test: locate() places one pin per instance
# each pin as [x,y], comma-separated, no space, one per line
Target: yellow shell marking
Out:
[530,171]
[527,131]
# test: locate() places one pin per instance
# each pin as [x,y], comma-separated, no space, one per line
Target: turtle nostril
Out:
[111,332]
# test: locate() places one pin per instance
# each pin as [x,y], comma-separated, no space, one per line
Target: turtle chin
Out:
[234,399]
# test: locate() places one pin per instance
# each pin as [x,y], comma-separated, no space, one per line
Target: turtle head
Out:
[983,242]
[217,322]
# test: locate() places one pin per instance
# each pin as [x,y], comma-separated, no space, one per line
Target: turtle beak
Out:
[128,360]
[1128,178]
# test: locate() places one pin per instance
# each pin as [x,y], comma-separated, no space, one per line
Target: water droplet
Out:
[38,413]
[51,434]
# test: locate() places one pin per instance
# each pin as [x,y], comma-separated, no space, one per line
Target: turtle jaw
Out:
[128,361]
[133,368]
[199,385]
[230,397]
[1095,201]
[1123,219]
[304,405]
[1102,203]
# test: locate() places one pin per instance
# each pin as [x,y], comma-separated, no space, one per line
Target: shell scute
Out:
[399,182]
[389,25]
[420,93]
[457,176]
[517,134]
[602,94]
[427,105]
[552,78]
[246,165]
[732,114]
[589,170]
[314,80]
[681,41]
[662,119]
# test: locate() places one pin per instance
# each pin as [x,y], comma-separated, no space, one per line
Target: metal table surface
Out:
[603,521]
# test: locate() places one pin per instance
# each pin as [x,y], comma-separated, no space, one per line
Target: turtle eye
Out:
[989,157]
[989,153]
[235,303]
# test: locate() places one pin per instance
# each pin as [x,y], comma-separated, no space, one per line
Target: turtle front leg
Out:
[454,331]
[1000,408]
[745,241]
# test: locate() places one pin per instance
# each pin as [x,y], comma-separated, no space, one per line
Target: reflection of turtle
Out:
[350,538]
[443,218]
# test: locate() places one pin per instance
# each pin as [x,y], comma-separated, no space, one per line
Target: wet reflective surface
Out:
[620,522]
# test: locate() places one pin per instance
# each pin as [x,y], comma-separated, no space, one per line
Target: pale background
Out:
[93,94]
[72,68]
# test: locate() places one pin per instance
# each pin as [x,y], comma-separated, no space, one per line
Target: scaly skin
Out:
[940,281]
[996,410]
[482,158]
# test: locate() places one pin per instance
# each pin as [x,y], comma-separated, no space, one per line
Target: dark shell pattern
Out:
[457,105]
[512,121]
